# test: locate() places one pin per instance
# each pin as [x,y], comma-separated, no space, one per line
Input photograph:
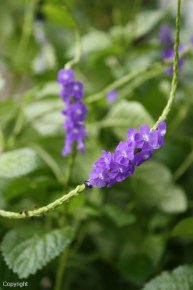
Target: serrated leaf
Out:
[153,186]
[118,216]
[18,162]
[184,228]
[126,115]
[179,279]
[25,251]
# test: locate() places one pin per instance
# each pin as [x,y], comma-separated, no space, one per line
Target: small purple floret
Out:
[117,166]
[111,96]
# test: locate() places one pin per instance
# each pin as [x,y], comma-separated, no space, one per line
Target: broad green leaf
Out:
[95,41]
[125,115]
[18,162]
[58,15]
[144,22]
[139,256]
[118,216]
[8,111]
[26,251]
[184,228]
[45,116]
[179,279]
[153,186]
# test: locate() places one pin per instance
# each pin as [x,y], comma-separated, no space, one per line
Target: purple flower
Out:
[65,76]
[119,172]
[105,160]
[142,156]
[124,153]
[77,90]
[117,166]
[167,52]
[76,112]
[72,92]
[146,136]
[112,96]
[166,36]
[99,177]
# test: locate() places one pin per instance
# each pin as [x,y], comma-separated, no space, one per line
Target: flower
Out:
[167,52]
[111,96]
[75,112]
[115,167]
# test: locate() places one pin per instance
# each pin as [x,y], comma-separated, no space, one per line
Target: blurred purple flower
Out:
[167,52]
[72,93]
[117,166]
[111,96]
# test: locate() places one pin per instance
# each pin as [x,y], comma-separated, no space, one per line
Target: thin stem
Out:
[45,209]
[61,267]
[184,166]
[138,73]
[26,29]
[175,70]
[64,257]
[78,51]
[72,159]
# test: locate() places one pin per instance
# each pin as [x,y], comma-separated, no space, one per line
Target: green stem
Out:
[78,51]
[184,166]
[61,267]
[175,70]
[138,73]
[71,163]
[26,30]
[64,257]
[45,209]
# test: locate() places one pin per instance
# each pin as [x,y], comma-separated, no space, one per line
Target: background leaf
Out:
[179,279]
[125,115]
[18,162]
[26,251]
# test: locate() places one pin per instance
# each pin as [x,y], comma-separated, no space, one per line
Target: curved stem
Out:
[78,51]
[183,167]
[134,75]
[45,209]
[175,70]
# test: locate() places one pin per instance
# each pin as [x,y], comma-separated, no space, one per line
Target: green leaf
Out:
[153,186]
[95,41]
[184,228]
[45,116]
[58,15]
[124,115]
[26,251]
[145,21]
[179,279]
[18,162]
[118,216]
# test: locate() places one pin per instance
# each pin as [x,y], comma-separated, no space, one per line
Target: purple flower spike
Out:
[75,111]
[167,52]
[117,166]
[112,96]
[65,76]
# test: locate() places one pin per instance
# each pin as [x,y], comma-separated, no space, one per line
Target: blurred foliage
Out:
[113,238]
